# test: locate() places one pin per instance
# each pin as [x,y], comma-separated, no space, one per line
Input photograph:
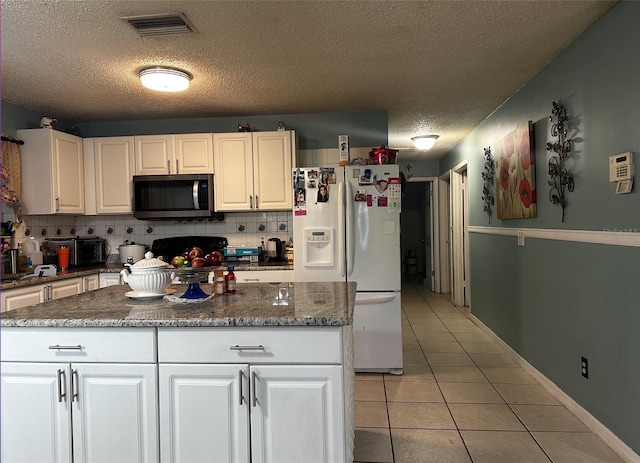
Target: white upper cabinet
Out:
[52,172]
[174,154]
[253,170]
[113,164]
[234,171]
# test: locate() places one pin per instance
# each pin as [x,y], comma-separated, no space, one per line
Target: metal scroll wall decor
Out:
[561,180]
[488,178]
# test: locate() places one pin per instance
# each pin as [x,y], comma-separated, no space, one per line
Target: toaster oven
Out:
[82,250]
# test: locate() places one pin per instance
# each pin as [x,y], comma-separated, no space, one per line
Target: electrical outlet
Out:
[263,239]
[585,367]
[520,238]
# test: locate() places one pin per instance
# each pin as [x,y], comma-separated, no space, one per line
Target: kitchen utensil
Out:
[131,253]
[14,254]
[274,250]
[149,276]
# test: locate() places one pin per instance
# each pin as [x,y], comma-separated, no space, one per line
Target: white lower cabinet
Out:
[255,408]
[263,276]
[30,295]
[71,411]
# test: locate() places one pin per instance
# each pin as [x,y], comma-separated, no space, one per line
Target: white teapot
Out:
[149,276]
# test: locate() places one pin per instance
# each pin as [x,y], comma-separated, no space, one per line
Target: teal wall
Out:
[15,118]
[315,131]
[555,301]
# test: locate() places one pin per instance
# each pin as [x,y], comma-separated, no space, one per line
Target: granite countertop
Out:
[76,272]
[254,304]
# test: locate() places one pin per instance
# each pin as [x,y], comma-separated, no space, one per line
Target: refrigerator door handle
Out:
[374,300]
[341,225]
[351,229]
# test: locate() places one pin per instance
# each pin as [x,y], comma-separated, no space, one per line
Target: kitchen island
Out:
[264,375]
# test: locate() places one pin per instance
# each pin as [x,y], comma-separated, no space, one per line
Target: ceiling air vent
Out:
[153,25]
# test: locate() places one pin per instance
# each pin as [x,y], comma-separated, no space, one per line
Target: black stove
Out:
[170,247]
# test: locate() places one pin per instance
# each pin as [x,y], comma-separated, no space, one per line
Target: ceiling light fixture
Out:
[165,79]
[424,142]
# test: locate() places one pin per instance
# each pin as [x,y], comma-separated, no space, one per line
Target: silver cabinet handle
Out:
[62,383]
[251,279]
[177,169]
[240,378]
[251,202]
[59,347]
[168,167]
[253,388]
[58,204]
[237,347]
[74,385]
[257,207]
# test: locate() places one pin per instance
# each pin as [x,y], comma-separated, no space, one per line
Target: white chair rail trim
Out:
[613,237]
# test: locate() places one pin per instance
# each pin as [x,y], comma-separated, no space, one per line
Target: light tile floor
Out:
[462,399]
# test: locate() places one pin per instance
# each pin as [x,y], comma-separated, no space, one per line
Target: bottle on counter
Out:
[219,285]
[230,280]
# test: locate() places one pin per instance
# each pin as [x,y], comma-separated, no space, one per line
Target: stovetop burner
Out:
[170,247]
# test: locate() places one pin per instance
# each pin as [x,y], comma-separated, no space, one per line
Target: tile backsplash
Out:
[238,227]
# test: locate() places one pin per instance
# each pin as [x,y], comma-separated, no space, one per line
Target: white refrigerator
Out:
[346,226]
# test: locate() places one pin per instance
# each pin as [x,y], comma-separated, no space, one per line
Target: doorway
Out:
[420,243]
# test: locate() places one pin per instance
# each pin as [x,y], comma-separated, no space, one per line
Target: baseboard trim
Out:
[614,442]
[612,237]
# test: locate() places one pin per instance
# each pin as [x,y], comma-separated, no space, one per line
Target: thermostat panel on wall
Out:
[621,167]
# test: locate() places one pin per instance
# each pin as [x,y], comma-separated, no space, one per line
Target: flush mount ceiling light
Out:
[424,142]
[165,79]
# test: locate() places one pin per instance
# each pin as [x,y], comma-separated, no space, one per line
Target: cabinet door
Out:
[297,414]
[110,279]
[66,288]
[154,154]
[193,153]
[68,173]
[23,297]
[115,413]
[233,182]
[90,283]
[36,418]
[204,413]
[114,174]
[272,175]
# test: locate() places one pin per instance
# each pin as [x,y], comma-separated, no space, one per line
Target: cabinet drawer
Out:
[261,345]
[131,345]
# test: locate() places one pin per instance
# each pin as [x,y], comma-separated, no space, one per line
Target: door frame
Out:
[434,239]
[460,293]
[444,232]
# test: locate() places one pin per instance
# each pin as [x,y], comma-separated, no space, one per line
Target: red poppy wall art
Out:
[515,172]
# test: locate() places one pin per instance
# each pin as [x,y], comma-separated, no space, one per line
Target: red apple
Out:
[195,252]
[199,262]
[186,255]
[215,258]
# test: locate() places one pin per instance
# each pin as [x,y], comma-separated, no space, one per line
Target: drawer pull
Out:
[59,347]
[62,383]
[237,347]
[251,279]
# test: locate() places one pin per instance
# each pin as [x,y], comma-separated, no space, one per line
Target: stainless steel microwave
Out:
[174,197]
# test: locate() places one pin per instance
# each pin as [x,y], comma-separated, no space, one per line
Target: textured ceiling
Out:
[436,66]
